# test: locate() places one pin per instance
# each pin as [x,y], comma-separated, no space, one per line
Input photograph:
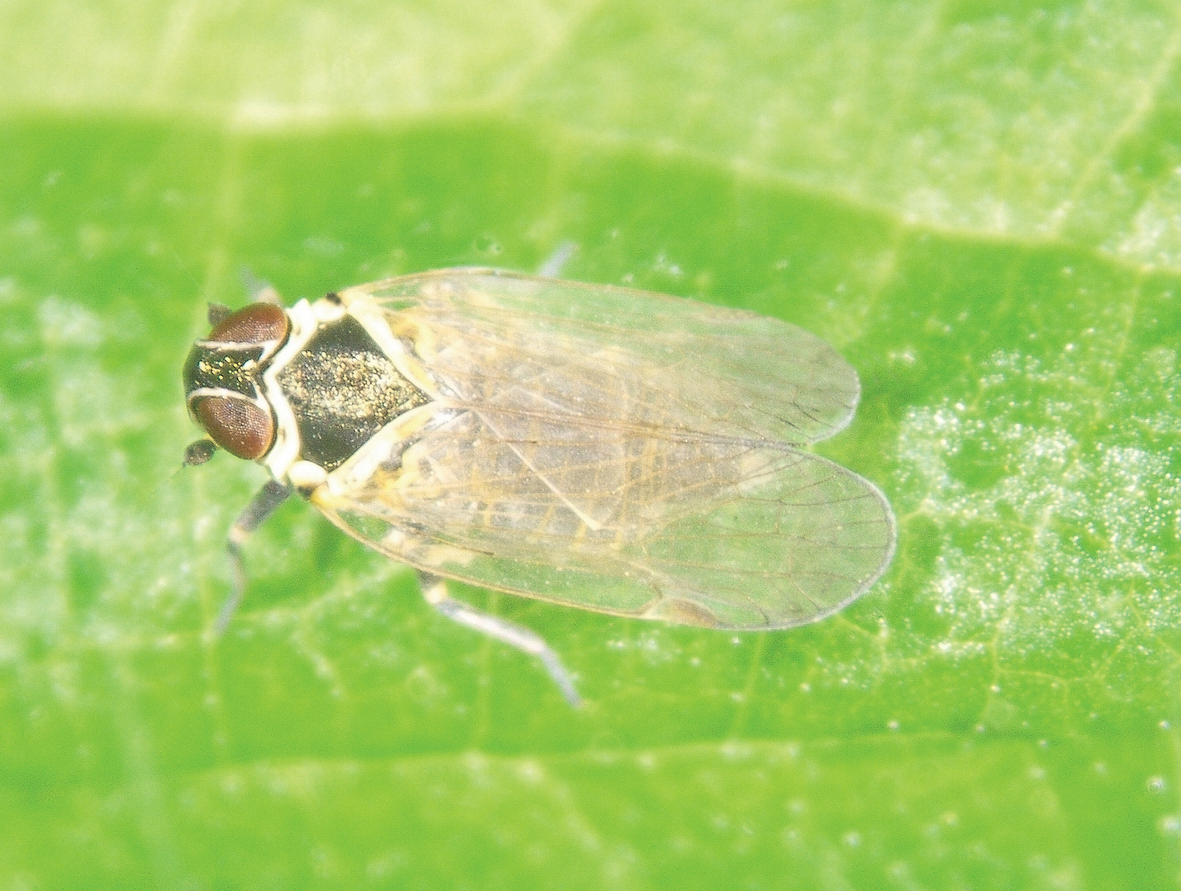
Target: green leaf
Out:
[978,204]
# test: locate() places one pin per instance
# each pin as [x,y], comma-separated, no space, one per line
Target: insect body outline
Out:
[598,447]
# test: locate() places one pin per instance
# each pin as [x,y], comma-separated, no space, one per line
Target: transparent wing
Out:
[580,458]
[521,342]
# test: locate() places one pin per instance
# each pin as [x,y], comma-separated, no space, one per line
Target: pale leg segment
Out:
[434,589]
[264,503]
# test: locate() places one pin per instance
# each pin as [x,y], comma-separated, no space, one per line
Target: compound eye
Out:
[240,427]
[256,323]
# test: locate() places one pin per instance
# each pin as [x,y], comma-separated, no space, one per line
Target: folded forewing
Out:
[620,451]
[704,530]
[601,354]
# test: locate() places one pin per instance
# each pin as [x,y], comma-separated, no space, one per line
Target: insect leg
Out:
[261,506]
[434,589]
[552,267]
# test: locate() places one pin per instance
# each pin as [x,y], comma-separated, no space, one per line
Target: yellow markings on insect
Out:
[597,447]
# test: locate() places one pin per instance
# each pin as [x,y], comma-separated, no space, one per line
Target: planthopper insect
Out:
[615,450]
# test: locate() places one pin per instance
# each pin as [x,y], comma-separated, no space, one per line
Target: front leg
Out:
[264,503]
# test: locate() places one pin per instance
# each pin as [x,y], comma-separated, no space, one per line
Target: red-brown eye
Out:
[256,323]
[240,427]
